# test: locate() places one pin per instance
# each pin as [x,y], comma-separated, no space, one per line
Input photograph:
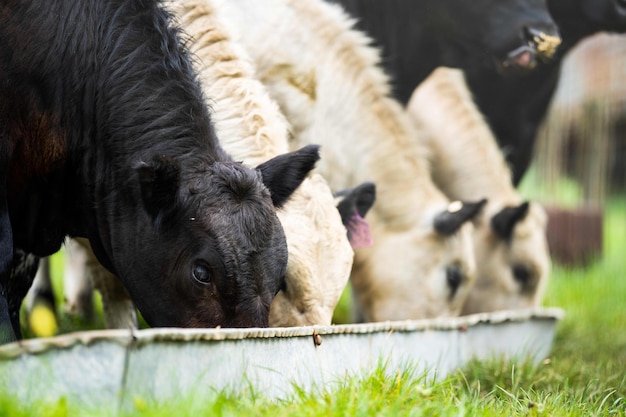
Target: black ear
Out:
[159,181]
[356,200]
[504,222]
[284,173]
[354,206]
[450,221]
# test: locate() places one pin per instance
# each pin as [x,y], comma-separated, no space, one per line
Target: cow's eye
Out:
[201,274]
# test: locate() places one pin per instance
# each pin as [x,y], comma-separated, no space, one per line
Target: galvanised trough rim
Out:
[114,370]
[126,337]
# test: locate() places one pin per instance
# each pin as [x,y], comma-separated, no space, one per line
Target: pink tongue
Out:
[524,59]
[359,233]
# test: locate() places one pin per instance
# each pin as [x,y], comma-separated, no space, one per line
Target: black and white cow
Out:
[327,81]
[416,36]
[104,134]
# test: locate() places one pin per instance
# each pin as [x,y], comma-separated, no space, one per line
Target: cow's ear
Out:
[450,221]
[357,200]
[284,173]
[159,181]
[505,220]
[353,206]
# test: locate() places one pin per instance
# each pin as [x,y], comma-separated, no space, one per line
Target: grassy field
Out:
[585,374]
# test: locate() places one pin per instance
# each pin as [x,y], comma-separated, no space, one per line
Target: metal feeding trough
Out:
[113,369]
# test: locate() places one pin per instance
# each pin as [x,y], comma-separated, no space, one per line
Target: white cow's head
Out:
[512,258]
[423,271]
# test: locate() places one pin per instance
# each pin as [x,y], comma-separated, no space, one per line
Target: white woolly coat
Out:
[326,79]
[468,165]
[252,129]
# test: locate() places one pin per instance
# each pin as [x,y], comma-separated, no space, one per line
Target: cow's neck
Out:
[381,133]
[97,108]
[467,163]
[254,132]
[398,26]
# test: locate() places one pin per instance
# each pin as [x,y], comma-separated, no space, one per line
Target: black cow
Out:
[416,36]
[516,106]
[104,134]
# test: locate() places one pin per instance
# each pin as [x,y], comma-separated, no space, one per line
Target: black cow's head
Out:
[208,248]
[511,34]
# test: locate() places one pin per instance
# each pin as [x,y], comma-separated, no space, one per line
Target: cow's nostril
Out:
[454,277]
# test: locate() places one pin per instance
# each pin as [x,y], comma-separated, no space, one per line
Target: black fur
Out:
[504,221]
[447,223]
[159,181]
[24,269]
[416,36]
[515,107]
[287,171]
[90,90]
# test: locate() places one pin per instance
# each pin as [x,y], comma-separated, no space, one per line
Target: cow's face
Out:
[320,258]
[209,250]
[425,271]
[320,245]
[512,259]
[510,34]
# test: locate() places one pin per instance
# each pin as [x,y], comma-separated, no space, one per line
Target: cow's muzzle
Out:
[541,45]
[544,43]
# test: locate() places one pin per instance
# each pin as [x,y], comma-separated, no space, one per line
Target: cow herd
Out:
[237,163]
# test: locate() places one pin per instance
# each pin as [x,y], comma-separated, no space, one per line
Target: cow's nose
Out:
[544,38]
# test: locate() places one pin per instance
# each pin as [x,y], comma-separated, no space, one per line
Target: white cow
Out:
[254,130]
[510,235]
[326,79]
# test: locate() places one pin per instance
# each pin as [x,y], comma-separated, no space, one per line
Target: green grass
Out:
[585,374]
